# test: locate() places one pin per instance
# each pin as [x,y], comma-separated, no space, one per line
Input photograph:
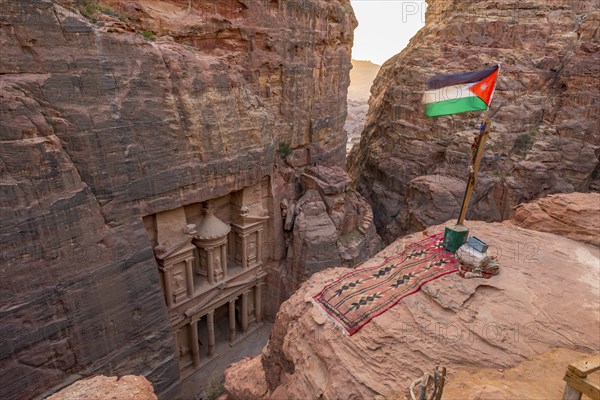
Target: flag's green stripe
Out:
[455,106]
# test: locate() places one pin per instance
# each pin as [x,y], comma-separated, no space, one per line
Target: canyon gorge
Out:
[174,184]
[166,166]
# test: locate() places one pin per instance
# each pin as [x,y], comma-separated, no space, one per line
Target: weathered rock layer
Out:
[574,215]
[544,137]
[108,387]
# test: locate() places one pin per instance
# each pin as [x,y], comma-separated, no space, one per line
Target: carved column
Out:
[210,267]
[245,312]
[259,247]
[176,337]
[210,323]
[194,345]
[231,245]
[190,276]
[168,287]
[232,321]
[224,260]
[244,252]
[258,302]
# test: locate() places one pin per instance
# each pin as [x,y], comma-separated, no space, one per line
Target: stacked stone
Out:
[476,264]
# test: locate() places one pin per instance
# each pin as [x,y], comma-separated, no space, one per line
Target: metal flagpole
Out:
[481,139]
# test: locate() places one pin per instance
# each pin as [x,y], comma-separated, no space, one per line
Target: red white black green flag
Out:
[455,94]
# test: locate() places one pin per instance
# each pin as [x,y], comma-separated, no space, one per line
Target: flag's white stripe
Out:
[448,93]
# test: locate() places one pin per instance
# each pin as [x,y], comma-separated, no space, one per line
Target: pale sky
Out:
[385,27]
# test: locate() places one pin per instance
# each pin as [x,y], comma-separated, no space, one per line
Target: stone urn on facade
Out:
[211,242]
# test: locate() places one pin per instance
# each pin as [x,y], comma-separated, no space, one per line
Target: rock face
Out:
[104,387]
[480,329]
[574,215]
[102,125]
[429,198]
[331,225]
[544,136]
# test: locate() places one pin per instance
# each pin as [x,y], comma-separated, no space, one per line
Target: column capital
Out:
[166,267]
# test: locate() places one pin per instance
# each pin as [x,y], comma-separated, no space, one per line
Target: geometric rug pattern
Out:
[360,295]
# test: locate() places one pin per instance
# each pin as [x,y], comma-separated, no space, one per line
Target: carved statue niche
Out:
[211,241]
[249,236]
[183,347]
[179,284]
[175,256]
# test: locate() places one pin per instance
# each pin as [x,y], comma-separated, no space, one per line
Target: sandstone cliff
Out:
[137,108]
[544,138]
[508,337]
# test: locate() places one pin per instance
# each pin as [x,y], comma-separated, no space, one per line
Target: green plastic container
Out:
[455,237]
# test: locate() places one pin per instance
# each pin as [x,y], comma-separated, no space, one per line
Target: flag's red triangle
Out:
[485,88]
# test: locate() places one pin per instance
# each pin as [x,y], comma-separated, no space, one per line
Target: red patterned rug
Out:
[359,296]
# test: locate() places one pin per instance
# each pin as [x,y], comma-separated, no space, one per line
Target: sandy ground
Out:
[542,375]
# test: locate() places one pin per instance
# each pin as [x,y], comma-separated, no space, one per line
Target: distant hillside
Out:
[361,78]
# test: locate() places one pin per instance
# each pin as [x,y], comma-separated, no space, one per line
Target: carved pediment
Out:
[248,219]
[172,248]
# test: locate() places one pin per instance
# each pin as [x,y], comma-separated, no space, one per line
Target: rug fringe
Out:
[329,318]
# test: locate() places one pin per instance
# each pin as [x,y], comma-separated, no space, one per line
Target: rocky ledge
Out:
[574,215]
[108,387]
[537,315]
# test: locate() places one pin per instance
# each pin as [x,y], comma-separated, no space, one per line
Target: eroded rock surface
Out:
[331,226]
[544,137]
[546,297]
[102,125]
[108,387]
[574,215]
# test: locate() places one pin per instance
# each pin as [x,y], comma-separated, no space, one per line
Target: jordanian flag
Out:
[455,94]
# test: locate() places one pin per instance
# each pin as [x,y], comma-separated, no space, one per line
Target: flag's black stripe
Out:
[440,81]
